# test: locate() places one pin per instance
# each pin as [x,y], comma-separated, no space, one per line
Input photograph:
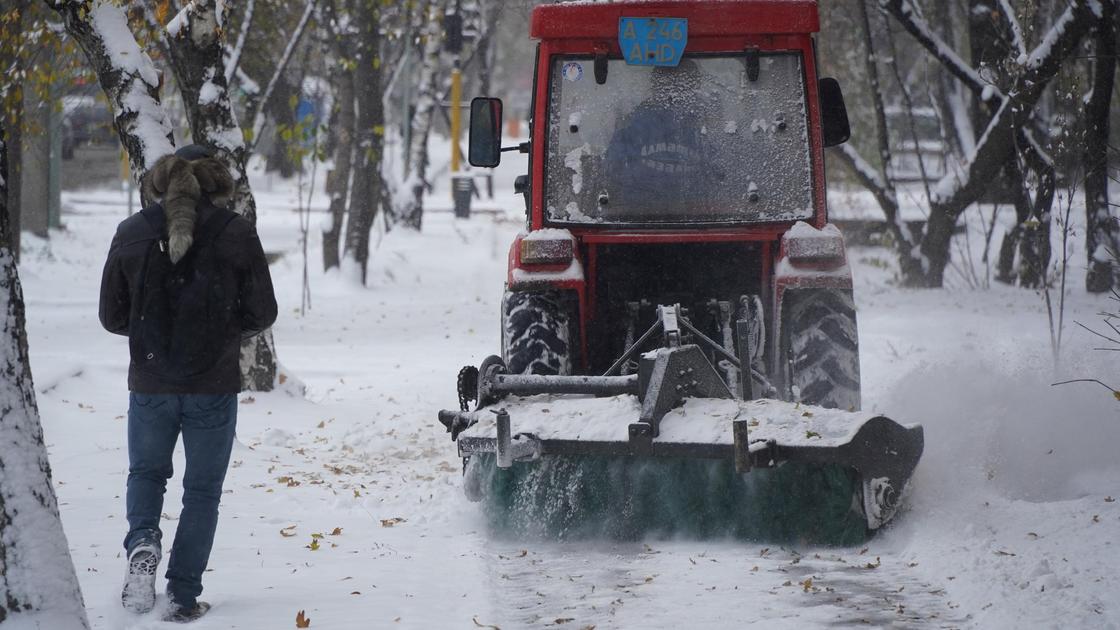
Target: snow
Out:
[548,234]
[151,125]
[120,44]
[1013,520]
[698,421]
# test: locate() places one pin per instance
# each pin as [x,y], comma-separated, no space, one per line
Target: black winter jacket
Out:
[241,260]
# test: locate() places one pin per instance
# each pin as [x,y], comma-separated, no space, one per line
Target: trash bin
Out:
[462,187]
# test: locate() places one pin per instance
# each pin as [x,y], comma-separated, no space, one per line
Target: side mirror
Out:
[834,116]
[486,132]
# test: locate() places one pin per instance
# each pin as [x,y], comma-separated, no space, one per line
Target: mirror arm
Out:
[520,148]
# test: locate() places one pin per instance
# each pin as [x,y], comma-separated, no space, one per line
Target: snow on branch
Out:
[997,142]
[1016,29]
[906,15]
[234,59]
[127,75]
[281,66]
[198,61]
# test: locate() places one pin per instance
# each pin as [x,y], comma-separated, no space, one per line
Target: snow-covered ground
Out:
[344,501]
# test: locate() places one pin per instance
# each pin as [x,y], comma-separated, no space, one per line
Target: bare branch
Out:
[281,67]
[906,14]
[1016,29]
[1086,380]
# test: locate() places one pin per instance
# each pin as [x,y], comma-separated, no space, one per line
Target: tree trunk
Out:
[369,136]
[129,79]
[37,578]
[195,44]
[12,60]
[342,129]
[1102,245]
[412,214]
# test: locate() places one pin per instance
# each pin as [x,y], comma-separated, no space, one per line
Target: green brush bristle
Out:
[627,498]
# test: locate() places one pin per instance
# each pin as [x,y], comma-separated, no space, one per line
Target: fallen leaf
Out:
[336,531]
[248,400]
[873,565]
[302,621]
[1109,500]
[483,625]
[282,378]
[1096,518]
[807,414]
[811,434]
[288,531]
[314,546]
[807,584]
[563,620]
[389,522]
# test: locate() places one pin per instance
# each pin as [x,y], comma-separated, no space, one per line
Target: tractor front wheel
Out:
[537,333]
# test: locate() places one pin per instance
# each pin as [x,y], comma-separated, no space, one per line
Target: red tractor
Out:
[677,251]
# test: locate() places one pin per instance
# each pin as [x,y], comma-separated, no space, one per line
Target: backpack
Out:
[184,309]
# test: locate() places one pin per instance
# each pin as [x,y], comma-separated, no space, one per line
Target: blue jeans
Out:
[208,423]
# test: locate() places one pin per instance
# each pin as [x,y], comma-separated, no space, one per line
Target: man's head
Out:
[181,181]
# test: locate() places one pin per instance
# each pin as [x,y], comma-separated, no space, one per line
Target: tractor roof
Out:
[705,17]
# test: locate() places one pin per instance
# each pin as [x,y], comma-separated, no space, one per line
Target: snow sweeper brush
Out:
[670,450]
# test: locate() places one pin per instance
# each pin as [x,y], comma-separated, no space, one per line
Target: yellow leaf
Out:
[807,584]
[316,535]
[314,546]
[302,621]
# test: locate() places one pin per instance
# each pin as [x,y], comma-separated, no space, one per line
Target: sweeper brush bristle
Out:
[630,498]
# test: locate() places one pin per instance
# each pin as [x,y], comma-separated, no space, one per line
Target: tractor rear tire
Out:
[537,333]
[822,348]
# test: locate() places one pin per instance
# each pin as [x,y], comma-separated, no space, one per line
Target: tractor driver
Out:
[659,159]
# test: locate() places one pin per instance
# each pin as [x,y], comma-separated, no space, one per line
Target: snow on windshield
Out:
[698,143]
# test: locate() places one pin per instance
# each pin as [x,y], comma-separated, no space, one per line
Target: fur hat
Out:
[180,181]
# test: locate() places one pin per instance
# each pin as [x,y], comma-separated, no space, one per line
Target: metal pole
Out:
[456,113]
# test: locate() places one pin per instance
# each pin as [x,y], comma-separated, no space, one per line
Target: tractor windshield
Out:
[698,143]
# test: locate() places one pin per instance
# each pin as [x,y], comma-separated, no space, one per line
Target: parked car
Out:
[85,120]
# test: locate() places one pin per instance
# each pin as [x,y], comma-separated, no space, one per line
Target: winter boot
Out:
[178,613]
[139,592]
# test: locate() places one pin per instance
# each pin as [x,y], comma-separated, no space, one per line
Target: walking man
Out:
[186,280]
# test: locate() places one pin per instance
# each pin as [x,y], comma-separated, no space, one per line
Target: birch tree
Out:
[409,208]
[1001,141]
[194,39]
[37,578]
[132,85]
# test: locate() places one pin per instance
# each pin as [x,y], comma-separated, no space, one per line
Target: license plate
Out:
[652,41]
